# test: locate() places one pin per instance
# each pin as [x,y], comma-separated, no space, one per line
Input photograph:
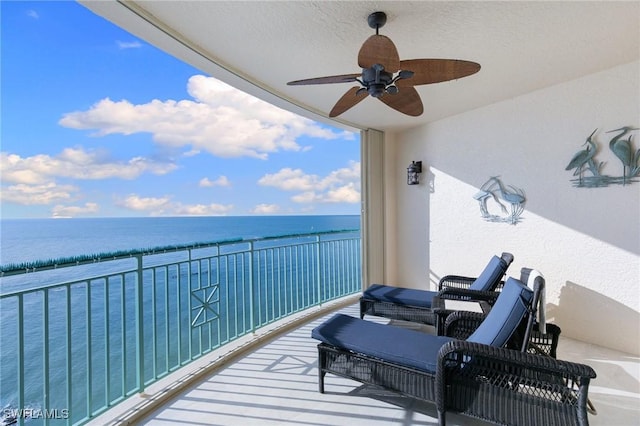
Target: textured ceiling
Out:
[259,46]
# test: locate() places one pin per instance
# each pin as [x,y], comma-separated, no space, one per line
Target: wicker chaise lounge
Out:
[476,377]
[415,305]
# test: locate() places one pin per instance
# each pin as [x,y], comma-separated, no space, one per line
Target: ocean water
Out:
[26,240]
[45,239]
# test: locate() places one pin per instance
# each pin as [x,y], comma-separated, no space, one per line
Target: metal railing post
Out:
[318,273]
[69,363]
[21,367]
[89,353]
[251,290]
[45,367]
[140,326]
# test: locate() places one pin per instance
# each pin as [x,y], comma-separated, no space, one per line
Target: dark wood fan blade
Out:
[379,49]
[348,100]
[407,101]
[427,71]
[344,78]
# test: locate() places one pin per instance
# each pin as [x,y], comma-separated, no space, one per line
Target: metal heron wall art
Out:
[624,151]
[583,158]
[494,189]
[621,148]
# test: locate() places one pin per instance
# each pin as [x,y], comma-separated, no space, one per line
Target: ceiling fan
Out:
[386,77]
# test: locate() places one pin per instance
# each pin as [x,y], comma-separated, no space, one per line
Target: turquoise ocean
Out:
[27,240]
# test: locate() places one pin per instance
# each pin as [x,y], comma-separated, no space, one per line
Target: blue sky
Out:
[98,123]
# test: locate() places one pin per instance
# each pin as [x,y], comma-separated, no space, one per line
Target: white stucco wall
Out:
[585,241]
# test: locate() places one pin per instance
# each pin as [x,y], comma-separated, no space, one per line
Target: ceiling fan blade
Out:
[348,100]
[344,78]
[379,49]
[407,101]
[427,71]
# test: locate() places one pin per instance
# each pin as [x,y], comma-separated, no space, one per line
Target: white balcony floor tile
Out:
[277,384]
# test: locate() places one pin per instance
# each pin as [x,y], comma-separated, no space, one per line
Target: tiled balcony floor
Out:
[277,384]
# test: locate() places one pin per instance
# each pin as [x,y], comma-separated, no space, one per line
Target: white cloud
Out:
[288,179]
[76,163]
[306,197]
[164,206]
[343,194]
[73,211]
[339,186]
[221,120]
[33,194]
[221,181]
[345,174]
[129,44]
[137,203]
[200,209]
[33,180]
[33,14]
[191,153]
[265,209]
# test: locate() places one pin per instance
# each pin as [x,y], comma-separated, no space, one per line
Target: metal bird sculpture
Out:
[622,149]
[634,170]
[494,188]
[583,157]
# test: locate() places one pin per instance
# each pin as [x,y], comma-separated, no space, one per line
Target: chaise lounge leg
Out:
[321,373]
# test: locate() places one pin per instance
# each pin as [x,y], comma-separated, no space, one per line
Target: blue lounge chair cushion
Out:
[417,349]
[486,281]
[394,344]
[399,295]
[492,273]
[505,315]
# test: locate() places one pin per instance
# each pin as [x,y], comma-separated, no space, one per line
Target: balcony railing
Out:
[80,335]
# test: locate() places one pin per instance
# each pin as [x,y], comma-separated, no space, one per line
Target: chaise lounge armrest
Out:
[453,293]
[515,387]
[455,281]
[461,324]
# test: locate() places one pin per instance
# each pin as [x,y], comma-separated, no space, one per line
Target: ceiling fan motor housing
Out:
[376,80]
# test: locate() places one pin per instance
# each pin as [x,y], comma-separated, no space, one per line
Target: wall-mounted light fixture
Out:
[413,172]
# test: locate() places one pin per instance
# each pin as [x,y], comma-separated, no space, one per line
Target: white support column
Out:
[373,207]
